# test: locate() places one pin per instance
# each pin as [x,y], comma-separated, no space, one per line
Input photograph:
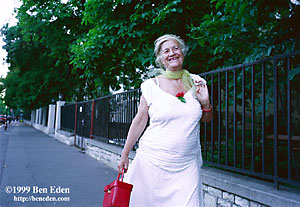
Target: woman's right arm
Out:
[136,129]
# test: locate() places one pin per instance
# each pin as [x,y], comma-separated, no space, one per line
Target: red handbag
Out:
[117,193]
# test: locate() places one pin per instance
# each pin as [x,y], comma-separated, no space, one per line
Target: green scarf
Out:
[183,74]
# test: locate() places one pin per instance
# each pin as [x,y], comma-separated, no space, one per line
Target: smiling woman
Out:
[158,43]
[171,55]
[166,168]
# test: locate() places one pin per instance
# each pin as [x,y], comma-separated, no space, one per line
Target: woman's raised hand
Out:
[202,92]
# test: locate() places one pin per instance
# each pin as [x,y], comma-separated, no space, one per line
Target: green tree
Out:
[2,105]
[237,31]
[87,49]
[38,52]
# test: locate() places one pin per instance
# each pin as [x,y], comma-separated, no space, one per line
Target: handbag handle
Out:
[121,174]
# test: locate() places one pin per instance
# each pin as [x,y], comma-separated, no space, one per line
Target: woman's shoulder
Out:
[148,81]
[146,84]
[152,80]
[148,89]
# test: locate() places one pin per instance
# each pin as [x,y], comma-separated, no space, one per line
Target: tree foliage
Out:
[88,49]
[38,53]
[238,31]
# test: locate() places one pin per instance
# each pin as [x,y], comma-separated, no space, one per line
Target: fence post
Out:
[51,118]
[92,120]
[58,114]
[36,116]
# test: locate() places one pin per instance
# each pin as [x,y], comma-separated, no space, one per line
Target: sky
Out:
[6,16]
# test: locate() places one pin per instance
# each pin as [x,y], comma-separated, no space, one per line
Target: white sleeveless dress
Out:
[166,169]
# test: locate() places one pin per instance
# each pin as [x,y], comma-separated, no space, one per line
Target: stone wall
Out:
[65,137]
[214,197]
[106,153]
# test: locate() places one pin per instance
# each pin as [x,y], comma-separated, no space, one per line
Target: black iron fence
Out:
[68,117]
[106,118]
[113,115]
[255,128]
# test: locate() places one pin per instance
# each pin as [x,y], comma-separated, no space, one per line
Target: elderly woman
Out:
[166,169]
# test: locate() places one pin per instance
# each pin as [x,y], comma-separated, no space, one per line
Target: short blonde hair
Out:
[159,41]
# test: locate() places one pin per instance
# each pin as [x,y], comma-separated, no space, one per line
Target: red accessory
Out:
[117,193]
[207,110]
[180,97]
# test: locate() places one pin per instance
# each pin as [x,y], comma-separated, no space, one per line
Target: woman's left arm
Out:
[203,97]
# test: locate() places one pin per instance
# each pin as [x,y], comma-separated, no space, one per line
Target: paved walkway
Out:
[35,166]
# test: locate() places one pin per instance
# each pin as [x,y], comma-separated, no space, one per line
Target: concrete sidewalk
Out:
[35,169]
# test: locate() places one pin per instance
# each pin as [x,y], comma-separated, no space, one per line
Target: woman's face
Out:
[171,55]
